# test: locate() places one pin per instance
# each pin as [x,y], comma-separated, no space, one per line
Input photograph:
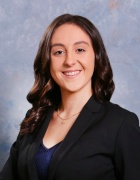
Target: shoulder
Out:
[117,110]
[120,114]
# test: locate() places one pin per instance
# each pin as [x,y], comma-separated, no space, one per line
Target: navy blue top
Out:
[42,160]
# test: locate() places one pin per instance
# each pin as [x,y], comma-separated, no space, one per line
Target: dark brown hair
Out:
[46,92]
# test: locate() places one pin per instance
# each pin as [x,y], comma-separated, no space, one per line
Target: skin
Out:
[72,59]
[71,67]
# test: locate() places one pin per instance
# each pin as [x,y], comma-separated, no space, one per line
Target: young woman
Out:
[73,131]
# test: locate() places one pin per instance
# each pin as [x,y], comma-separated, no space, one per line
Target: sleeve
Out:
[10,169]
[127,149]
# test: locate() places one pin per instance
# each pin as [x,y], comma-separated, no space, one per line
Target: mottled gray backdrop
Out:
[22,23]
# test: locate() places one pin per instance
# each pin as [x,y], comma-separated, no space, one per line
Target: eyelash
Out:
[58,52]
[80,50]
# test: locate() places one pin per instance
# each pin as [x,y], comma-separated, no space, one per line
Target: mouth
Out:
[71,73]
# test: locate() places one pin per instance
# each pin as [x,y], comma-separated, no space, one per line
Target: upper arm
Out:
[127,149]
[9,170]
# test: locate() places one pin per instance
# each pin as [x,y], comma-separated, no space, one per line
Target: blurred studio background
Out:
[22,23]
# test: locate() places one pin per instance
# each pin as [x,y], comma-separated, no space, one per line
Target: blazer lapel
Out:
[35,145]
[91,113]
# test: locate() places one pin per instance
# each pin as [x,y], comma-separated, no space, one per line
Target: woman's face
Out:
[72,58]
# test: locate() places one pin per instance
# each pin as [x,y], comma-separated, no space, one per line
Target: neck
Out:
[73,102]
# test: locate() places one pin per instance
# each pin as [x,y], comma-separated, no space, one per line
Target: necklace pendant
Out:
[63,122]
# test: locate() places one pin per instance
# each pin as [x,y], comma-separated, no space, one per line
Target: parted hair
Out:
[45,92]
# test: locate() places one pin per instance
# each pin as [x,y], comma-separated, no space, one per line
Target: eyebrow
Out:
[60,44]
[81,42]
[57,44]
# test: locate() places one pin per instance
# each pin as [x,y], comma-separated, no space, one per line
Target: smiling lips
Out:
[71,73]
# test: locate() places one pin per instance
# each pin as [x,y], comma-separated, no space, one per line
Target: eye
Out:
[80,50]
[58,52]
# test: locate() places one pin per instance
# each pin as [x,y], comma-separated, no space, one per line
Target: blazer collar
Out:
[93,105]
[91,113]
[37,138]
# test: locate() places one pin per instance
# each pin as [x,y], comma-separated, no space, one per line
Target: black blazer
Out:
[103,144]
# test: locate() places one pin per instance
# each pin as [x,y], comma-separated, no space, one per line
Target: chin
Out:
[73,89]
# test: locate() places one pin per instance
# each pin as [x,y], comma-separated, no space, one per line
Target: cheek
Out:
[55,70]
[53,66]
[92,62]
[89,63]
[91,70]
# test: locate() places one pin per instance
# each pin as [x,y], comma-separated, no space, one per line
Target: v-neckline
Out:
[46,148]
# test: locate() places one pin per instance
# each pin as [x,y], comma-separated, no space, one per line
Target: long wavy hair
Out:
[45,92]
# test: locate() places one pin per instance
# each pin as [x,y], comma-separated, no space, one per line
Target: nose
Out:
[70,59]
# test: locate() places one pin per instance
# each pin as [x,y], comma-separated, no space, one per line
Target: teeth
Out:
[71,73]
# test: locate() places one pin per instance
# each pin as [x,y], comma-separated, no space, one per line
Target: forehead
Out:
[69,33]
